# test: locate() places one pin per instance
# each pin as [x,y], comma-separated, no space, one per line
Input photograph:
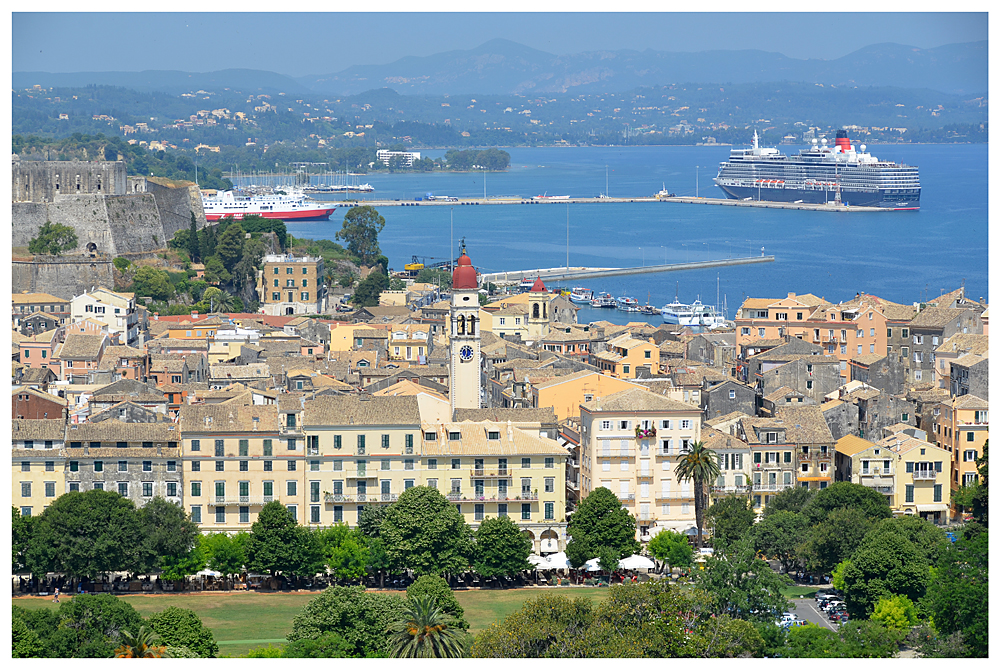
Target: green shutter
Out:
[909,493]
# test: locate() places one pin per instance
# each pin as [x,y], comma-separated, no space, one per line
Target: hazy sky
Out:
[309,43]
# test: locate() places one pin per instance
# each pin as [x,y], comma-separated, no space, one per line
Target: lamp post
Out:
[696,181]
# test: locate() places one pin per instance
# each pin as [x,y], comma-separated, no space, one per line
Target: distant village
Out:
[509,408]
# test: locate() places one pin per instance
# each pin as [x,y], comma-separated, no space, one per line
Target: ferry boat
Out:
[841,174]
[627,304]
[583,296]
[270,206]
[604,300]
[525,284]
[695,315]
[546,196]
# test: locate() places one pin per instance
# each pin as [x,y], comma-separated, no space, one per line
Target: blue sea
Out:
[900,256]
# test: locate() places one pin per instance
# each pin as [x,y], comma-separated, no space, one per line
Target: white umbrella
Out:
[557,561]
[592,565]
[636,562]
[208,573]
[537,561]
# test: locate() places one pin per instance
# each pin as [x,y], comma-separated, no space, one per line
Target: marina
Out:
[574,273]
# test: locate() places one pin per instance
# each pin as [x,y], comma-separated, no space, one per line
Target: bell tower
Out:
[466,365]
[538,311]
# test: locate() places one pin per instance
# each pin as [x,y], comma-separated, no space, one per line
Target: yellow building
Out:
[921,477]
[290,284]
[624,354]
[565,394]
[631,442]
[962,427]
[38,463]
[409,342]
[235,459]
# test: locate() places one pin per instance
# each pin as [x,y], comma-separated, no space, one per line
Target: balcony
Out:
[572,486]
[645,475]
[362,474]
[626,497]
[886,490]
[337,498]
[618,453]
[730,489]
[674,496]
[241,500]
[377,497]
[500,497]
[924,475]
[490,473]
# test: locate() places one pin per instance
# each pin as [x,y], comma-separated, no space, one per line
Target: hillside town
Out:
[508,408]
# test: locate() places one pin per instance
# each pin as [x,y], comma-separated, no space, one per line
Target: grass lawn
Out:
[242,620]
[796,591]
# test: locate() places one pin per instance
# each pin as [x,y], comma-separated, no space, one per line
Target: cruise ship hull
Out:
[304,215]
[905,200]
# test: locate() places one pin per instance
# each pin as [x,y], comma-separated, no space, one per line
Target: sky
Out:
[302,43]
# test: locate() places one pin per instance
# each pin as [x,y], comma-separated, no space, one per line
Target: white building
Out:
[116,310]
[406,158]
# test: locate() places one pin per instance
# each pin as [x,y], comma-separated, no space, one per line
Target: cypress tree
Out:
[194,245]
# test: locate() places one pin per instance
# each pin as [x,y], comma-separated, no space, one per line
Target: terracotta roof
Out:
[717,440]
[967,343]
[636,400]
[970,401]
[37,375]
[726,418]
[805,425]
[542,415]
[475,442]
[353,411]
[863,393]
[852,444]
[114,430]
[781,392]
[867,359]
[251,371]
[935,317]
[35,298]
[78,346]
[38,429]
[405,387]
[228,418]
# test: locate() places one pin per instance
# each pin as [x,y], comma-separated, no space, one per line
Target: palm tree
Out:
[701,465]
[140,645]
[424,631]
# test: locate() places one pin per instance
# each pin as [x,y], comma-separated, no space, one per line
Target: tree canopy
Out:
[841,495]
[278,544]
[600,521]
[731,517]
[672,548]
[500,548]
[743,585]
[360,232]
[359,617]
[778,535]
[179,627]
[885,564]
[53,239]
[422,531]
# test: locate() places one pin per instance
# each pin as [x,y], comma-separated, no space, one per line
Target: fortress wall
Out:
[175,206]
[86,214]
[44,181]
[62,277]
[134,223]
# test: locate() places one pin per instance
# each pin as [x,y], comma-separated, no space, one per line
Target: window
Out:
[244,447]
[526,511]
[291,466]
[970,436]
[408,445]
[888,332]
[291,488]
[268,465]
[386,464]
[171,466]
[220,466]
[937,493]
[361,444]
[220,447]
[432,463]
[74,466]
[244,466]
[195,445]
[147,489]
[550,510]
[338,514]
[969,455]
[408,464]
[526,462]
[456,463]
[196,513]
[98,486]
[195,489]
[732,394]
[550,462]
[122,466]
[147,466]
[909,490]
[760,332]
[123,489]
[906,333]
[385,441]
[479,511]
[433,483]
[454,435]
[292,444]
[195,466]
[220,514]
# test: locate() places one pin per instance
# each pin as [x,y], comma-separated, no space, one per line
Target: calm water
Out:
[900,256]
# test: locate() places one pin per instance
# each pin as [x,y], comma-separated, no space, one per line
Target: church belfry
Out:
[466,372]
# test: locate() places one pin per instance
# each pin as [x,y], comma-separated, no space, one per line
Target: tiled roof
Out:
[475,442]
[968,360]
[543,415]
[35,298]
[78,346]
[405,387]
[969,401]
[229,418]
[36,375]
[863,393]
[114,430]
[969,343]
[114,453]
[251,371]
[636,400]
[726,418]
[867,359]
[935,317]
[715,440]
[805,425]
[161,343]
[852,444]
[353,411]
[371,333]
[38,429]
[781,392]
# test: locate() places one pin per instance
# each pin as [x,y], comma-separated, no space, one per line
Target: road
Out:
[806,609]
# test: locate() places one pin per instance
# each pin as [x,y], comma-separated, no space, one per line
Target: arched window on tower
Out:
[472,325]
[544,310]
[534,311]
[461,325]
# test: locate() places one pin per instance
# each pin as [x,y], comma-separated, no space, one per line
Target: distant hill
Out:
[174,82]
[502,67]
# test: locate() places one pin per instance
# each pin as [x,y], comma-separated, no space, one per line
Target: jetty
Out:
[575,273]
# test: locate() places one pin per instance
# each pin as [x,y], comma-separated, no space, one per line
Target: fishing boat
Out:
[605,300]
[583,296]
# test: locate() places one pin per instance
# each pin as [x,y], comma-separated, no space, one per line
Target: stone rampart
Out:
[61,276]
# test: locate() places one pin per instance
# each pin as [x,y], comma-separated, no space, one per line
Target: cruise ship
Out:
[840,174]
[269,206]
[696,315]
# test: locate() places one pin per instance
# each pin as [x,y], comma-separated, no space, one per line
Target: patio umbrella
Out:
[208,573]
[537,561]
[592,565]
[557,561]
[636,562]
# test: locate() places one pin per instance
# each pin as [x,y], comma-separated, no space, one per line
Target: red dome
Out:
[538,286]
[464,276]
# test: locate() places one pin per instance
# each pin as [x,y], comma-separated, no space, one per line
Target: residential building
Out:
[564,394]
[734,462]
[860,461]
[631,444]
[929,329]
[38,351]
[962,427]
[814,445]
[772,454]
[25,304]
[954,348]
[37,463]
[398,158]
[726,396]
[624,356]
[970,374]
[116,310]
[921,477]
[409,342]
[290,284]
[31,403]
[80,355]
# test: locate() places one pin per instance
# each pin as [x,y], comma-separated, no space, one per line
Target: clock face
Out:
[465,353]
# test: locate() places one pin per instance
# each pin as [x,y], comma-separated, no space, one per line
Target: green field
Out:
[241,620]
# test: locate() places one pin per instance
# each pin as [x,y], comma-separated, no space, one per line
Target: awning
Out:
[636,562]
[936,507]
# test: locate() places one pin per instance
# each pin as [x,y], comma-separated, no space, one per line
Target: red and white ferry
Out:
[270,206]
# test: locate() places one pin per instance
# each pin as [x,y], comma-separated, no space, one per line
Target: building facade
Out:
[290,284]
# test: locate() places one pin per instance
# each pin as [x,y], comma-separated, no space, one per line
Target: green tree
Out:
[225,553]
[701,465]
[885,564]
[110,523]
[792,499]
[811,641]
[548,626]
[215,300]
[141,644]
[841,495]
[440,278]
[230,246]
[731,518]
[600,521]
[53,239]
[834,539]
[928,538]
[121,263]
[327,645]
[360,232]
[778,535]
[743,585]
[396,284]
[20,538]
[437,588]
[245,271]
[928,643]
[725,637]
[345,550]
[24,641]
[148,281]
[957,598]
[370,523]
[178,627]
[278,544]
[91,626]
[608,558]
[424,631]
[501,549]
[361,618]
[672,548]
[895,612]
[268,651]
[368,290]
[169,532]
[980,500]
[193,242]
[869,639]
[422,531]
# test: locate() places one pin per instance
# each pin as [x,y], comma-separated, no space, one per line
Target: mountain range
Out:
[504,67]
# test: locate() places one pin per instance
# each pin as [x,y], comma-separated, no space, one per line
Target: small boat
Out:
[604,300]
[664,193]
[546,196]
[650,310]
[526,284]
[583,296]
[695,315]
[627,304]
